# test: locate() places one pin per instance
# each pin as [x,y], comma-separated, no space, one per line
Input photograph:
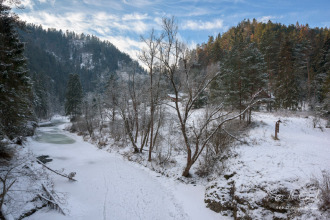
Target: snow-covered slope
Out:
[274,178]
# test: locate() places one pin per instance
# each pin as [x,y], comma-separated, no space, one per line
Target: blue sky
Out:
[122,22]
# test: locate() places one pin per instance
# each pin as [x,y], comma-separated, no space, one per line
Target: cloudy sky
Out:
[122,22]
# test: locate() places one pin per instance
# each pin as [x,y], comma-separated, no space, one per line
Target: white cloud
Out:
[102,16]
[126,44]
[27,4]
[68,21]
[135,16]
[265,19]
[106,26]
[140,3]
[52,2]
[201,25]
[138,27]
[196,11]
[113,4]
[100,22]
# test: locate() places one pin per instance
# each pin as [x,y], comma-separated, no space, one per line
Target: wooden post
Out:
[277,129]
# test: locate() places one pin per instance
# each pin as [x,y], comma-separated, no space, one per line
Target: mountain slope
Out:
[53,55]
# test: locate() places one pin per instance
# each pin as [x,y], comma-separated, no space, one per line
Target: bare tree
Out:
[179,66]
[131,100]
[148,56]
[111,96]
[90,110]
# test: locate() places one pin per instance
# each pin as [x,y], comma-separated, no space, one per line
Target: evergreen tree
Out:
[242,75]
[269,45]
[74,96]
[254,74]
[232,74]
[41,90]
[15,86]
[321,81]
[286,91]
[302,53]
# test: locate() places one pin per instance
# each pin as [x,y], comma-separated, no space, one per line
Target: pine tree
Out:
[321,80]
[231,78]
[74,96]
[41,102]
[270,47]
[15,86]
[302,51]
[242,75]
[286,91]
[254,76]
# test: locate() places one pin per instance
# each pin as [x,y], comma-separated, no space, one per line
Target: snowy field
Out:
[276,175]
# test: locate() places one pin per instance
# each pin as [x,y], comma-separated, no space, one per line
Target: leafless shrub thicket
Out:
[214,159]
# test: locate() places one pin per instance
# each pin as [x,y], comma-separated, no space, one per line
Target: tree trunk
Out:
[151,116]
[187,169]
[190,162]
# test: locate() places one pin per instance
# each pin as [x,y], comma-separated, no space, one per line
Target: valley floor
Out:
[110,188]
[263,179]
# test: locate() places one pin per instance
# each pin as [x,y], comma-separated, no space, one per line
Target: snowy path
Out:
[110,188]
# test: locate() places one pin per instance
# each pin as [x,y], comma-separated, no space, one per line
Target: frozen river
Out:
[109,187]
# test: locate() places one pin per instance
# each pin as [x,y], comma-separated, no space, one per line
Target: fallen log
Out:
[70,176]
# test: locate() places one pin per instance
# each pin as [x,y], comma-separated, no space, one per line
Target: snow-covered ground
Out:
[263,179]
[301,152]
[109,187]
[268,173]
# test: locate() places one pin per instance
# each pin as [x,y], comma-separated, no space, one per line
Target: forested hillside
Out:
[52,55]
[290,62]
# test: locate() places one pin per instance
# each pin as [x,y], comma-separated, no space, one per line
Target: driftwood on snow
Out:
[52,201]
[70,176]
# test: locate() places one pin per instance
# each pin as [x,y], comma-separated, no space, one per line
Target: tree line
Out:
[292,61]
